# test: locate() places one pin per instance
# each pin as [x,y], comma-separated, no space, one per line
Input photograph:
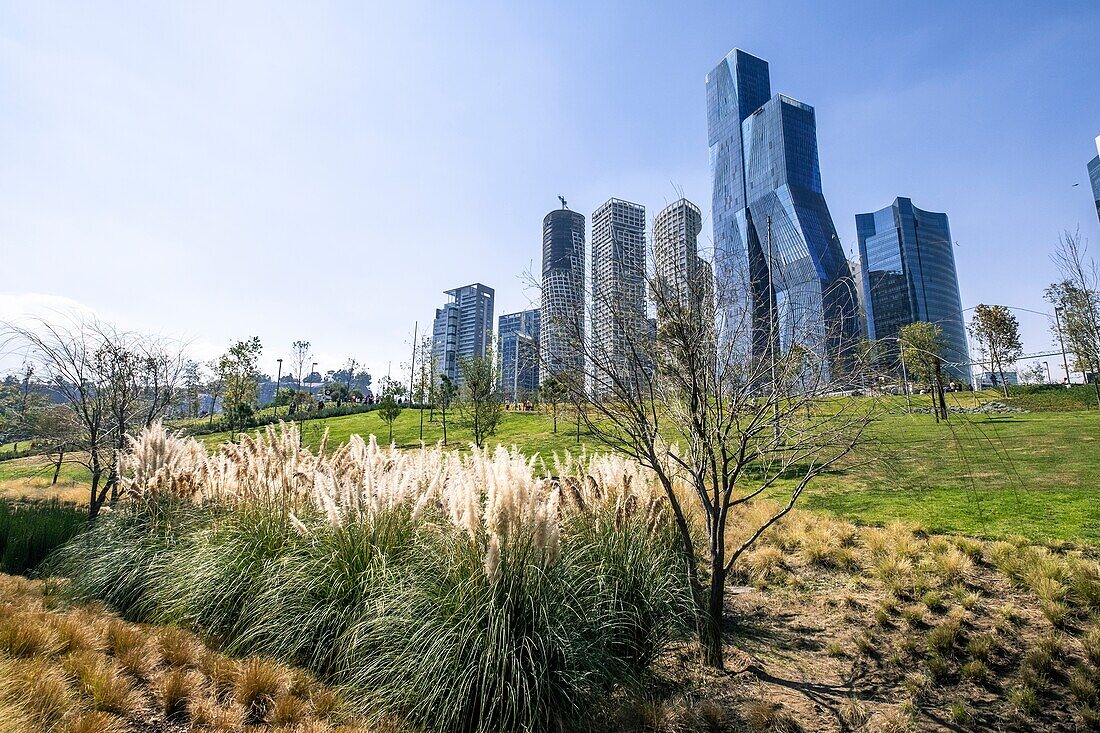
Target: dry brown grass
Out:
[259,683]
[85,671]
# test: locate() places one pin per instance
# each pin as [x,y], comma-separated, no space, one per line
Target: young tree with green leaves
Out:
[447,392]
[390,404]
[552,392]
[480,403]
[998,335]
[922,346]
[424,381]
[238,369]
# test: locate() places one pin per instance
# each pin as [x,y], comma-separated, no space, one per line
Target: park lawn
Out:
[1035,475]
[1032,474]
[32,478]
[530,432]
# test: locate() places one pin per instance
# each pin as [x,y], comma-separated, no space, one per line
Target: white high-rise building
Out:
[561,317]
[618,282]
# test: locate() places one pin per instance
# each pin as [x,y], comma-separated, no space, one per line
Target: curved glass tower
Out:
[779,265]
[1094,176]
[907,264]
[561,317]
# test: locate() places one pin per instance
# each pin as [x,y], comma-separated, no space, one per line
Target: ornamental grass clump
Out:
[460,592]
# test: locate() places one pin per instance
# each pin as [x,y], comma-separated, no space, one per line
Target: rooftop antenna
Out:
[563,204]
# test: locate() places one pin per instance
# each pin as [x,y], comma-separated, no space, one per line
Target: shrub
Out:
[102,682]
[459,592]
[177,689]
[259,683]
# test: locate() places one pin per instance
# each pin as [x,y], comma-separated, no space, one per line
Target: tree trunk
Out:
[57,467]
[554,410]
[711,627]
[942,406]
[94,502]
[444,411]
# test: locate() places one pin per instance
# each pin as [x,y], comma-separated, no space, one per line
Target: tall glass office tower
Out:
[1094,176]
[519,354]
[779,265]
[561,320]
[463,328]
[907,264]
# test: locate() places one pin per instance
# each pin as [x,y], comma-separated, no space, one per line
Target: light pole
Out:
[1061,341]
[312,384]
[1050,380]
[278,380]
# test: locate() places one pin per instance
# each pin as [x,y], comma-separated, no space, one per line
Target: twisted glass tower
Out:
[782,277]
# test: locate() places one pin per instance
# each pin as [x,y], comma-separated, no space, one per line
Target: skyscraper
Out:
[907,264]
[777,255]
[618,280]
[1094,176]
[518,335]
[684,277]
[463,328]
[561,318]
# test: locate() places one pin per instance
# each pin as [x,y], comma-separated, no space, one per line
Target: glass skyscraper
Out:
[518,334]
[907,263]
[779,265]
[462,328]
[1094,176]
[561,318]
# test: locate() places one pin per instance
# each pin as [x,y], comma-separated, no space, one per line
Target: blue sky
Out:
[325,170]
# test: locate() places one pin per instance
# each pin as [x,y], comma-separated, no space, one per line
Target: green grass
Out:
[30,532]
[1033,474]
[984,475]
[531,432]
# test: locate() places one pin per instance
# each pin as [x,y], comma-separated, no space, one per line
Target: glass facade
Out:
[518,335]
[462,328]
[561,319]
[777,254]
[1094,177]
[907,263]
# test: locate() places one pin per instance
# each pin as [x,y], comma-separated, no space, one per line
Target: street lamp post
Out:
[1050,380]
[1061,341]
[312,384]
[278,380]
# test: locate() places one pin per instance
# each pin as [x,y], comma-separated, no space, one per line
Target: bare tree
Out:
[1077,300]
[710,404]
[300,357]
[110,380]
